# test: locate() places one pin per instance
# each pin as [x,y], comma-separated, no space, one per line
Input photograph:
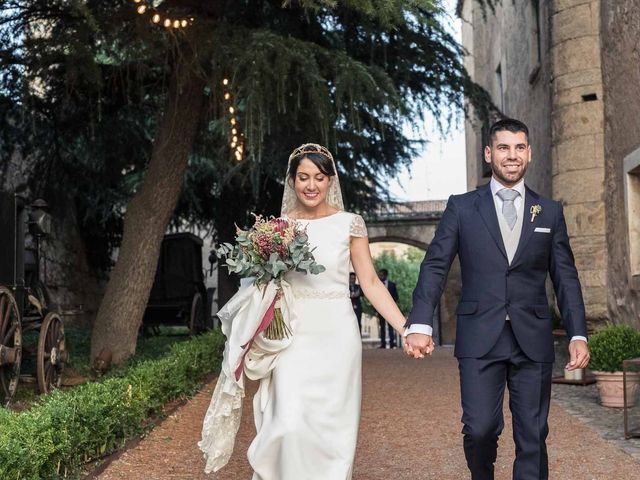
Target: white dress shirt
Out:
[518,203]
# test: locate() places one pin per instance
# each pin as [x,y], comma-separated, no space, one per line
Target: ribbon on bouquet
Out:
[266,321]
[244,317]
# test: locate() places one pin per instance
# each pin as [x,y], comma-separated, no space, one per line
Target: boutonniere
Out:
[535,211]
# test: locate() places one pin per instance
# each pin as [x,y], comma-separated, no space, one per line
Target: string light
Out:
[158,18]
[236,143]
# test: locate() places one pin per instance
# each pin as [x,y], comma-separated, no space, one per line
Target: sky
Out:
[440,169]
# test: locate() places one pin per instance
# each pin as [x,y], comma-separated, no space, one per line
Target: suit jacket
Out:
[356,302]
[493,288]
[393,291]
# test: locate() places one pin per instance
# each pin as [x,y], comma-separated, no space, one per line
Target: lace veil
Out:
[334,195]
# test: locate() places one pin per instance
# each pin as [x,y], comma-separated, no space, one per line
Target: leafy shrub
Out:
[63,430]
[611,345]
[403,271]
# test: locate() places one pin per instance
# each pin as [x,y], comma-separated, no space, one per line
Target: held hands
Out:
[578,355]
[417,345]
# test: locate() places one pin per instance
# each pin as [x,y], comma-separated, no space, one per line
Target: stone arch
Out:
[408,241]
[419,233]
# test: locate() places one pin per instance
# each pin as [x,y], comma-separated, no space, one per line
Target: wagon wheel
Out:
[10,345]
[52,354]
[39,291]
[195,317]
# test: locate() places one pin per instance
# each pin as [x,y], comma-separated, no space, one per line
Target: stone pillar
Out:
[578,165]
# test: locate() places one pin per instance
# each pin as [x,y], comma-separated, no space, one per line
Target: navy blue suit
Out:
[384,325]
[493,352]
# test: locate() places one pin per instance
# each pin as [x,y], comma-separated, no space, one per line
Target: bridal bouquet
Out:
[267,251]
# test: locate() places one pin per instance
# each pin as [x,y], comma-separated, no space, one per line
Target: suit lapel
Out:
[487,210]
[530,199]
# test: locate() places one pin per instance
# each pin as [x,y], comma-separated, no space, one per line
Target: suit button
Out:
[507,274]
[508,304]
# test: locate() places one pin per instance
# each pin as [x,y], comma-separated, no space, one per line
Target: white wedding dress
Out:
[307,426]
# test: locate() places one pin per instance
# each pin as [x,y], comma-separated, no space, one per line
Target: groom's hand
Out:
[418,345]
[578,355]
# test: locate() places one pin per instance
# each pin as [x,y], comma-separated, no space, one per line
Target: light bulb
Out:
[225,81]
[231,110]
[142,9]
[238,156]
[234,131]
[227,96]
[234,139]
[137,1]
[233,121]
[167,23]
[183,23]
[176,24]
[156,18]
[233,144]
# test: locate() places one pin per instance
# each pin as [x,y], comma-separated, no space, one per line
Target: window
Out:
[535,42]
[631,167]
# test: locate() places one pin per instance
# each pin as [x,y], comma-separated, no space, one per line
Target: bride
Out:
[307,421]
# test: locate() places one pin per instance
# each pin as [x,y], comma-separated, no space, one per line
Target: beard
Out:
[508,180]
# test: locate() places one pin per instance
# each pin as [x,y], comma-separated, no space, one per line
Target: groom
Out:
[508,239]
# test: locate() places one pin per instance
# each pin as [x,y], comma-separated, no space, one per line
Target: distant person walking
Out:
[355,292]
[383,274]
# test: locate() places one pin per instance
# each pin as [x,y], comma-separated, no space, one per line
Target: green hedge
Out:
[63,430]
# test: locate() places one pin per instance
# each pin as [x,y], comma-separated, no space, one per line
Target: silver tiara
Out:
[311,148]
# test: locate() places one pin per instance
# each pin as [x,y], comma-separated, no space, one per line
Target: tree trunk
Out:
[148,214]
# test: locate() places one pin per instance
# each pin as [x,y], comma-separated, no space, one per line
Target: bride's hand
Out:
[410,351]
[418,345]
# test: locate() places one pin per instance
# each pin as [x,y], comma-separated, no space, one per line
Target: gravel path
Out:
[410,429]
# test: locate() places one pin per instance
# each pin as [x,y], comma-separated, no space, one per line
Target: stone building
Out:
[570,69]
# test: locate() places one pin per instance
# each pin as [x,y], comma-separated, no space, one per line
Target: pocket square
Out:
[542,230]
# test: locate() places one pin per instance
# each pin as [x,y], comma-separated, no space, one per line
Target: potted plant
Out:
[609,347]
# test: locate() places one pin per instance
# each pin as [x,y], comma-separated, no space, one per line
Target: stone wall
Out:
[74,285]
[578,142]
[508,54]
[620,32]
[541,63]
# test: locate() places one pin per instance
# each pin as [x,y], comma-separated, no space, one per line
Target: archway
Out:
[415,224]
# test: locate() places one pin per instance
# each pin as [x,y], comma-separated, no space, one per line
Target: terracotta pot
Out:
[611,388]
